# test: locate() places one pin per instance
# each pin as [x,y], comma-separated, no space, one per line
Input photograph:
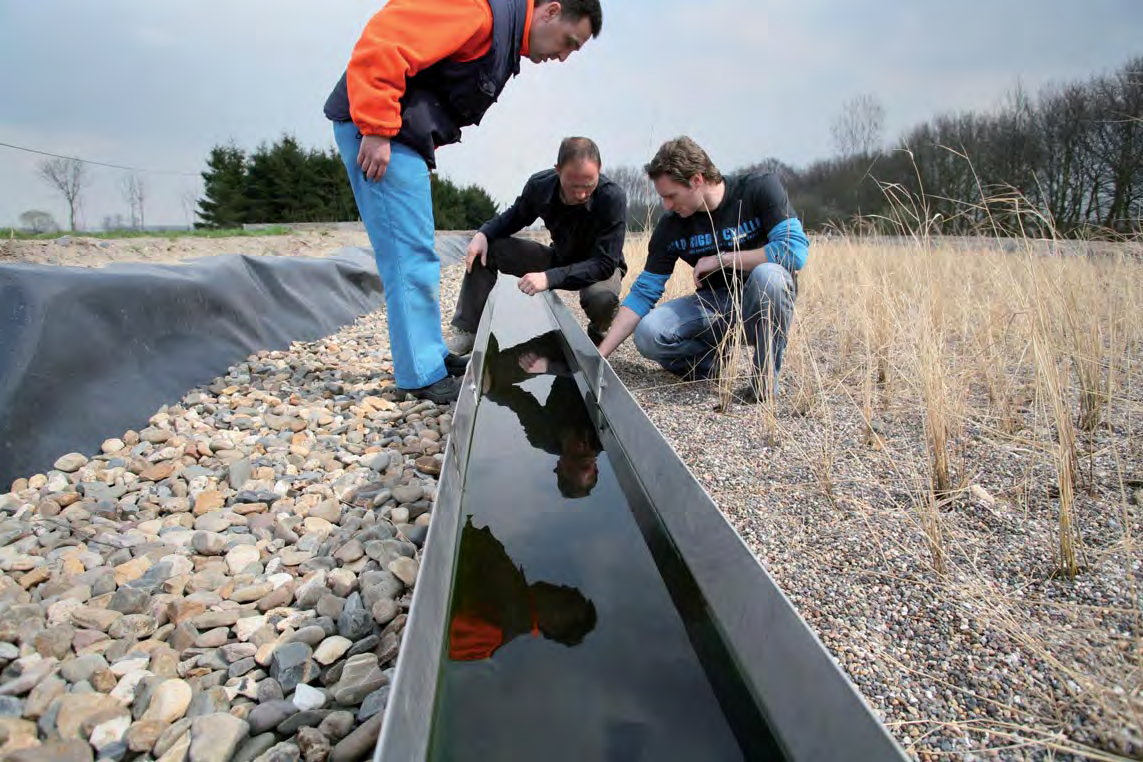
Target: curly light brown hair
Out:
[680,160]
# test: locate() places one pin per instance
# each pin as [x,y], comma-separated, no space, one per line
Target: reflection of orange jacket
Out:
[471,638]
[408,36]
[491,603]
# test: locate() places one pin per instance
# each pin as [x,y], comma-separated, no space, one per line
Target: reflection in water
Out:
[544,563]
[560,426]
[493,602]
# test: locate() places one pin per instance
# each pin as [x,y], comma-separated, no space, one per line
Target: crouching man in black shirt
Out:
[586,215]
[745,243]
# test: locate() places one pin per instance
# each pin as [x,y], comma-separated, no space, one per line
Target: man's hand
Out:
[531,362]
[705,267]
[477,247]
[373,156]
[621,327]
[534,283]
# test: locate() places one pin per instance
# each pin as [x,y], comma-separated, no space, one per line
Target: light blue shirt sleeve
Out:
[788,245]
[645,293]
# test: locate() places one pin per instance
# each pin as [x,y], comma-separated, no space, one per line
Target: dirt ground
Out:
[77,251]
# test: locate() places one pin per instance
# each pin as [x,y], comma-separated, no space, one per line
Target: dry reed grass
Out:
[975,404]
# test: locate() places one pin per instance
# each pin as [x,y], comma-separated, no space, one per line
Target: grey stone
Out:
[309,718]
[311,635]
[213,700]
[350,552]
[129,600]
[358,744]
[44,693]
[337,725]
[169,736]
[291,664]
[270,690]
[268,716]
[330,605]
[53,751]
[355,622]
[239,473]
[376,585]
[10,706]
[132,627]
[55,642]
[408,493]
[375,702]
[215,737]
[385,610]
[283,752]
[143,693]
[364,646]
[242,666]
[211,619]
[208,543]
[254,747]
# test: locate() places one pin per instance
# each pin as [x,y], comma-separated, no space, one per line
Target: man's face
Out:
[553,38]
[580,470]
[683,200]
[578,181]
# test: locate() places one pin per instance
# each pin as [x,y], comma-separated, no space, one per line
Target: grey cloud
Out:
[157,84]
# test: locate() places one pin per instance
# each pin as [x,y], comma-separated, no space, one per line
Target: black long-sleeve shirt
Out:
[587,238]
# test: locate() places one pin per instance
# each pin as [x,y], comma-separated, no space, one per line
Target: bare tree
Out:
[37,221]
[115,222]
[860,127]
[135,193]
[68,176]
[190,206]
[643,208]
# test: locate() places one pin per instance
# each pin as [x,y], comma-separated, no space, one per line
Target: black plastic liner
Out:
[88,353]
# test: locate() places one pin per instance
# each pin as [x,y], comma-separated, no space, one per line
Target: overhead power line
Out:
[99,163]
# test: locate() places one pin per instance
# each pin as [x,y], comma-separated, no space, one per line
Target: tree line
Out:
[284,183]
[1067,161]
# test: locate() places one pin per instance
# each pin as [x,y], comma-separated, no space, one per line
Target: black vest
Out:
[448,95]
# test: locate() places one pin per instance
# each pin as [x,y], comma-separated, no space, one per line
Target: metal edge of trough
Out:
[406,729]
[811,705]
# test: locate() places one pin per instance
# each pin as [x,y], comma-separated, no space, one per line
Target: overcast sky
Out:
[156,84]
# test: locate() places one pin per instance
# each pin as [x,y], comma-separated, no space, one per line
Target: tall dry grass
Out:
[996,371]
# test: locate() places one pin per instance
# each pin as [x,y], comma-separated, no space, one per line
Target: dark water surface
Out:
[575,633]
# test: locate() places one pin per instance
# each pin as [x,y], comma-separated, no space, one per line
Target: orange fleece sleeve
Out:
[403,38]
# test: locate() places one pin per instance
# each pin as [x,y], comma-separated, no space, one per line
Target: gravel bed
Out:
[232,581]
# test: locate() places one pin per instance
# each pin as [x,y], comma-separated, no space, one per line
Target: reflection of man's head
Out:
[577,470]
[563,614]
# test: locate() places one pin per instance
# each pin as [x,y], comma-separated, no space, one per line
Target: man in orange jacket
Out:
[422,70]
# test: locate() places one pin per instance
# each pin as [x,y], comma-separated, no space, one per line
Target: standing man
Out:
[746,245]
[422,70]
[587,216]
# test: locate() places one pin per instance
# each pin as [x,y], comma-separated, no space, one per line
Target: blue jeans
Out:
[398,215]
[683,335]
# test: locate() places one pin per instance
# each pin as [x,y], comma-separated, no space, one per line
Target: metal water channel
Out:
[581,598]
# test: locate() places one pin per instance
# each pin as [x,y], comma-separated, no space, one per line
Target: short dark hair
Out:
[680,160]
[563,613]
[574,10]
[577,149]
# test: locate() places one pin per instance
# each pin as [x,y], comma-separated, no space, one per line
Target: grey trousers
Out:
[516,256]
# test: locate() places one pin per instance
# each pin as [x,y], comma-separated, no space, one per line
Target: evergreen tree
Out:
[455,208]
[284,183]
[224,199]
